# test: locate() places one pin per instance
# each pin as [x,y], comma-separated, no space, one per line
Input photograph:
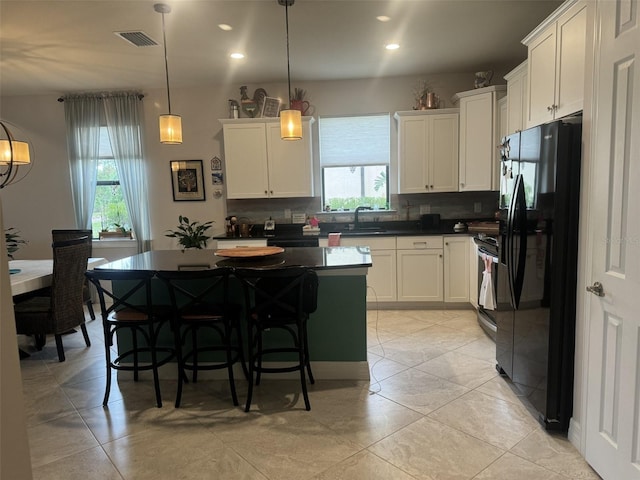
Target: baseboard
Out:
[321,371]
[575,435]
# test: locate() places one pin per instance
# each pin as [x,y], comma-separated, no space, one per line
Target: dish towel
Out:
[487,296]
[334,240]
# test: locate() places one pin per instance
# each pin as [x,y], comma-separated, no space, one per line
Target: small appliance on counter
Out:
[429,221]
[269,227]
[460,227]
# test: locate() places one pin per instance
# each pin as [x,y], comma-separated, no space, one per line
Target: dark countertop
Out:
[388,229]
[318,258]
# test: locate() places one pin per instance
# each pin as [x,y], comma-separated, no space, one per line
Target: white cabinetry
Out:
[456,268]
[420,266]
[259,164]
[381,277]
[474,281]
[479,136]
[427,151]
[556,55]
[517,98]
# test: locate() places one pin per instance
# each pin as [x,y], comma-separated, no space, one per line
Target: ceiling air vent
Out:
[139,39]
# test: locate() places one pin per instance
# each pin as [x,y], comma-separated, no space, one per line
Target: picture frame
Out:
[216,164]
[187,180]
[216,178]
[270,107]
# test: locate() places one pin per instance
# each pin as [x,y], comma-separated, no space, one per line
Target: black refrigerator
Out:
[537,269]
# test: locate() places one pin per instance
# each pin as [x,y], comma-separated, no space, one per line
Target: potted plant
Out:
[13,241]
[191,234]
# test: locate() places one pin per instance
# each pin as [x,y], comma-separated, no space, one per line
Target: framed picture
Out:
[187,180]
[216,164]
[270,107]
[216,178]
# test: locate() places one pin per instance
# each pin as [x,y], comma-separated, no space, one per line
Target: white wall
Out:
[43,200]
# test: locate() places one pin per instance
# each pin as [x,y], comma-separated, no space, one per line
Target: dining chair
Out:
[127,305]
[62,309]
[206,326]
[278,299]
[59,235]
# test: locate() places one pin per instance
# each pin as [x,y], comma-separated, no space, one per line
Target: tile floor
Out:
[435,409]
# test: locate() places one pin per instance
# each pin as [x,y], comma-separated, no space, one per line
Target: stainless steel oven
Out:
[487,250]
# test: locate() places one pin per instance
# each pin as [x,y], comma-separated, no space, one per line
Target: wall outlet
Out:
[425,209]
[477,207]
[287,213]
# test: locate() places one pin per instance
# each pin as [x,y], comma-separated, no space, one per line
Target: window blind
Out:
[354,140]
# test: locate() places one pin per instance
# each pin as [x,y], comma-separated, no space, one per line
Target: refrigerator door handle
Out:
[520,222]
[509,246]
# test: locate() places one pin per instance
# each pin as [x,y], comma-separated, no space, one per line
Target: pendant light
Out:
[290,119]
[13,155]
[170,125]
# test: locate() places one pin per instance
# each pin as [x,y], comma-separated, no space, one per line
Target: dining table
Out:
[337,330]
[31,275]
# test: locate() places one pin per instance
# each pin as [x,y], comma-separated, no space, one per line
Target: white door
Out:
[613,391]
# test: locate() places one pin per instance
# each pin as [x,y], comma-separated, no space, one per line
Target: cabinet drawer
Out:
[374,243]
[419,242]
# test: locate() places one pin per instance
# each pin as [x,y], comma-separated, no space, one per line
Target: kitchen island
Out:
[337,329]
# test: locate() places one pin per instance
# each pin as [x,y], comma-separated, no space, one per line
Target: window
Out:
[354,161]
[109,210]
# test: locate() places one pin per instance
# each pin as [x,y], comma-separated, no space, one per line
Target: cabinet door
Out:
[570,61]
[245,152]
[290,163]
[381,277]
[477,142]
[443,153]
[420,275]
[542,66]
[456,269]
[412,155]
[517,100]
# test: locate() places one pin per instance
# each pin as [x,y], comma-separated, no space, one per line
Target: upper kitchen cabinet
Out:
[428,151]
[517,98]
[557,52]
[479,136]
[259,164]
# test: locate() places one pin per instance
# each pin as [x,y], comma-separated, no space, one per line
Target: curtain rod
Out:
[139,95]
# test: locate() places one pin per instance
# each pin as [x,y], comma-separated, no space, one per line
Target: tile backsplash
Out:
[455,206]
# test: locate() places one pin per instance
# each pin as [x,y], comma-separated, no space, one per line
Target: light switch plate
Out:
[287,213]
[477,207]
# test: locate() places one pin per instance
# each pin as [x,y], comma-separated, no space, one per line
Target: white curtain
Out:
[124,123]
[124,119]
[82,116]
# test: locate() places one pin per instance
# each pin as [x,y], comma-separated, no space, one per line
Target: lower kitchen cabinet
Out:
[456,269]
[420,268]
[381,277]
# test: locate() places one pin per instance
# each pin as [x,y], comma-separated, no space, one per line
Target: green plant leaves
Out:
[191,234]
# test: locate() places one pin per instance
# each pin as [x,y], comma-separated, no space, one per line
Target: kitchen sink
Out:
[367,229]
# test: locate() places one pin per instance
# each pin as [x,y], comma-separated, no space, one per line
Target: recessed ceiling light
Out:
[383,18]
[225,27]
[392,46]
[237,55]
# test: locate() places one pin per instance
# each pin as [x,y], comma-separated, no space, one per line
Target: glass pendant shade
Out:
[170,129]
[20,152]
[291,125]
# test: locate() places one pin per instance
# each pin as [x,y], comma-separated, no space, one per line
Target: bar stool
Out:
[126,303]
[281,299]
[205,323]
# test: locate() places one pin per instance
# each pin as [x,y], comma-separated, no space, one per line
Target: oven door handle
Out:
[484,252]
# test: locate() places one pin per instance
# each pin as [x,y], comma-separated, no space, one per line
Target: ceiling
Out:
[65,46]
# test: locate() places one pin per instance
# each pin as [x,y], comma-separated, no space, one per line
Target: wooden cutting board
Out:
[248,252]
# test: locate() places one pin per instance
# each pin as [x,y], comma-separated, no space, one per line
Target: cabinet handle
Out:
[430,186]
[265,192]
[462,184]
[271,192]
[446,243]
[426,187]
[440,255]
[550,108]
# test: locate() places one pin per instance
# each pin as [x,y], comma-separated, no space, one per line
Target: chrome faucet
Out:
[358,209]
